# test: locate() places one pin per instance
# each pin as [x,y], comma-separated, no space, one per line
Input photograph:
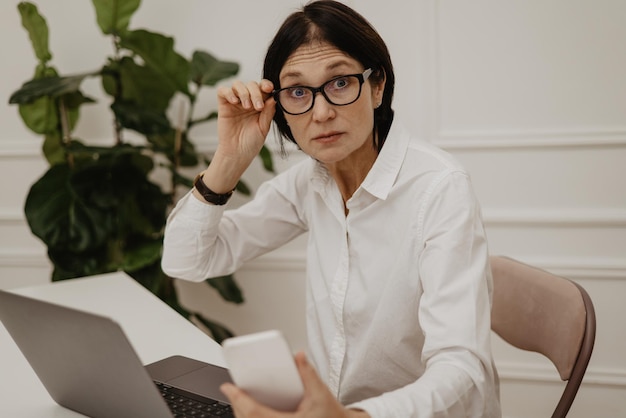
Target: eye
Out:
[340,83]
[298,92]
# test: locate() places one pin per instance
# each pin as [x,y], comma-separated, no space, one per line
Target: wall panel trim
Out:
[24,258]
[515,371]
[586,217]
[572,267]
[540,139]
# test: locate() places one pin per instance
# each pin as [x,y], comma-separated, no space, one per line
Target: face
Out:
[331,134]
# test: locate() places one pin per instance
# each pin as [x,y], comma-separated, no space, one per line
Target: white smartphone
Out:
[262,364]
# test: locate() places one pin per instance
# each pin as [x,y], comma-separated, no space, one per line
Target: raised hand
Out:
[245,113]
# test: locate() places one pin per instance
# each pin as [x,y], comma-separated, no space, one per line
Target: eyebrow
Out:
[332,66]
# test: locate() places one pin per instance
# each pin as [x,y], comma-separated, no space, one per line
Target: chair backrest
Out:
[538,311]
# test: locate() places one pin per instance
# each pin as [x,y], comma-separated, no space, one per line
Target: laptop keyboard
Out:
[187,405]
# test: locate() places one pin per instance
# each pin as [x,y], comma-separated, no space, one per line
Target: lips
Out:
[327,136]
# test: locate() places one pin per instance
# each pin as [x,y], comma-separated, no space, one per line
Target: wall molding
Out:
[524,372]
[530,139]
[11,217]
[20,148]
[449,140]
[295,261]
[31,148]
[580,268]
[575,267]
[24,258]
[564,217]
[494,217]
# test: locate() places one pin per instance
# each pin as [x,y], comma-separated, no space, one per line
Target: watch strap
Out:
[208,194]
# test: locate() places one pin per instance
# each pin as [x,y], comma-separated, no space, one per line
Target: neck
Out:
[350,173]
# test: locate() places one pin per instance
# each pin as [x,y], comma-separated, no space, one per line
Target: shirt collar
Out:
[384,172]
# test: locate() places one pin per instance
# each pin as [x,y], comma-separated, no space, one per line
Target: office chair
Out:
[538,311]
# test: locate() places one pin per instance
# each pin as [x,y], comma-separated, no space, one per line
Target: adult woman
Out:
[398,283]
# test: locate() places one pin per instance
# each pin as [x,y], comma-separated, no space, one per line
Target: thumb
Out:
[267,114]
[308,375]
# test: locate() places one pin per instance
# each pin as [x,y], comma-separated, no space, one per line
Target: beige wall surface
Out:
[529,95]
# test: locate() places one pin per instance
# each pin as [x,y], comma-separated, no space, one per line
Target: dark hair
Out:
[339,25]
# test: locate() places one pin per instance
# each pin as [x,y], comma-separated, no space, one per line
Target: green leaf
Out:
[40,116]
[142,255]
[218,331]
[113,16]
[53,149]
[243,188]
[69,264]
[153,279]
[109,195]
[140,119]
[143,86]
[48,86]
[179,179]
[72,102]
[227,288]
[75,99]
[157,51]
[266,158]
[109,75]
[206,70]
[165,143]
[37,29]
[59,219]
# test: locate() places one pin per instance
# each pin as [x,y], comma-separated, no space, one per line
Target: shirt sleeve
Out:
[454,313]
[203,240]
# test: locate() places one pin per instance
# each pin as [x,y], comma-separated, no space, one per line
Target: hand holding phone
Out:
[262,364]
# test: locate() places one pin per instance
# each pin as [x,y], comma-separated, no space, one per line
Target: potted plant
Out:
[96,208]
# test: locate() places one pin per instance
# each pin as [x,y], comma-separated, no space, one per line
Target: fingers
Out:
[251,95]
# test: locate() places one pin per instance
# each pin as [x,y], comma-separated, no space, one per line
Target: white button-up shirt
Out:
[398,291]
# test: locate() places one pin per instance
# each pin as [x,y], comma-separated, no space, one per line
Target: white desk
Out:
[155,330]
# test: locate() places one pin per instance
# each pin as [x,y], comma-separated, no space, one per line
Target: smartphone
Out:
[262,364]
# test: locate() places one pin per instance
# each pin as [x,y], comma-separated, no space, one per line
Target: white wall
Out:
[530,96]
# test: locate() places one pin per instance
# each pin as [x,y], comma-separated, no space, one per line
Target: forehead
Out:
[314,58]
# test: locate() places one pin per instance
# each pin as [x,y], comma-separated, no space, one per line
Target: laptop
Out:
[87,364]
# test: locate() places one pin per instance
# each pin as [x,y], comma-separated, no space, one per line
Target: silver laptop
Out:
[87,364]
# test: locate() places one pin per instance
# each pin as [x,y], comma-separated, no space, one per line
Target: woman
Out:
[398,280]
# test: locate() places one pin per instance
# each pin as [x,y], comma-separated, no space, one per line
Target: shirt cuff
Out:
[191,211]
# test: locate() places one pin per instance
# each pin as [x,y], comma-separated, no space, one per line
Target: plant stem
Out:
[117,126]
[65,126]
[66,137]
[178,139]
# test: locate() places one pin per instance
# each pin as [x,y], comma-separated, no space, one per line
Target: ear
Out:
[378,89]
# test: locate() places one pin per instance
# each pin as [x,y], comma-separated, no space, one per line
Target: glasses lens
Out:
[295,99]
[343,90]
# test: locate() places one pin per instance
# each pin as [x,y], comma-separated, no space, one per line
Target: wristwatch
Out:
[208,194]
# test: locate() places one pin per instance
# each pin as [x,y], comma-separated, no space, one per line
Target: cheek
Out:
[365,115]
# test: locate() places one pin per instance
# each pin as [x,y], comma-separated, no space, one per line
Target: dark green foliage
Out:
[96,208]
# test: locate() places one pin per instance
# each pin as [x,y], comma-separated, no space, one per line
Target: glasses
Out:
[339,91]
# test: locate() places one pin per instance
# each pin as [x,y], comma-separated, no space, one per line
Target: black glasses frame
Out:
[362,77]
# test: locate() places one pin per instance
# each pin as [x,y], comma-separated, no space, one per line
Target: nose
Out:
[322,109]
